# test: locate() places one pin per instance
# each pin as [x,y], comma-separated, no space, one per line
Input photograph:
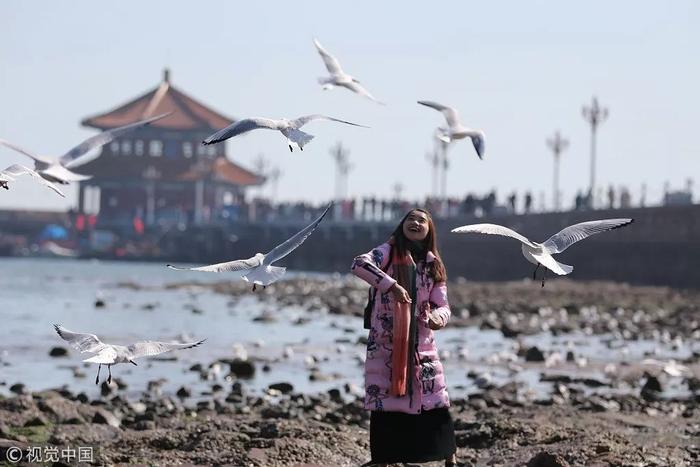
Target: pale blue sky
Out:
[518,70]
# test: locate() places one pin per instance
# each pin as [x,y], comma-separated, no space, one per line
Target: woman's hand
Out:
[433,322]
[400,294]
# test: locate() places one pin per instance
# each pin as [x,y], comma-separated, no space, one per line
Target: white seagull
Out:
[17,170]
[338,77]
[540,254]
[55,169]
[289,128]
[455,129]
[259,269]
[110,354]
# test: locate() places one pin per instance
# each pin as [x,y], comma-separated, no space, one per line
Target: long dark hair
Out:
[400,244]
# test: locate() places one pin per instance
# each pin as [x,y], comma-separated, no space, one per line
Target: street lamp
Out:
[557,144]
[594,115]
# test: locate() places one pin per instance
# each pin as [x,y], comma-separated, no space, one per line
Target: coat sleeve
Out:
[368,267]
[439,305]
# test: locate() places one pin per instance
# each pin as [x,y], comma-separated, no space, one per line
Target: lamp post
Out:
[557,144]
[594,115]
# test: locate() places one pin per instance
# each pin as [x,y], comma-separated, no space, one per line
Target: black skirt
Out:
[402,437]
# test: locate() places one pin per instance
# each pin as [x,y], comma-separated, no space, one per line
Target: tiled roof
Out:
[187,113]
[223,170]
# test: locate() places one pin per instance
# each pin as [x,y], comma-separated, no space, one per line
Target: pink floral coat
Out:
[429,391]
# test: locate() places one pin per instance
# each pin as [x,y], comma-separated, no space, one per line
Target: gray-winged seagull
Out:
[110,354]
[259,269]
[540,254]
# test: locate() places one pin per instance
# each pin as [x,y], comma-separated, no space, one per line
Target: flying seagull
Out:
[110,354]
[540,254]
[289,128]
[338,77]
[55,169]
[259,269]
[455,129]
[17,170]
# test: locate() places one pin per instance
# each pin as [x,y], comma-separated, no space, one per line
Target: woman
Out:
[404,380]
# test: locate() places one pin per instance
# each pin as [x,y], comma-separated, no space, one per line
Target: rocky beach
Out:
[630,401]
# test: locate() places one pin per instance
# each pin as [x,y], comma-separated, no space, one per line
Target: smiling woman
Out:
[404,381]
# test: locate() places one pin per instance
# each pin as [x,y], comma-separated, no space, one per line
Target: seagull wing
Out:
[359,89]
[332,64]
[301,121]
[25,152]
[240,265]
[450,113]
[103,138]
[479,142]
[82,342]
[493,229]
[150,348]
[240,127]
[17,170]
[59,172]
[562,240]
[283,249]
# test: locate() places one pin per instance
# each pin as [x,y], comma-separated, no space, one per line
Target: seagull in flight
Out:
[55,169]
[289,128]
[455,129]
[259,269]
[338,77]
[17,170]
[540,254]
[110,354]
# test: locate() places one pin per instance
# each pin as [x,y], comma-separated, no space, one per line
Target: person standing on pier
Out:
[404,381]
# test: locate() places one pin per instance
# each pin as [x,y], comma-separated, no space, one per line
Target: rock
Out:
[534,354]
[509,332]
[58,352]
[335,395]
[652,384]
[197,367]
[284,388]
[64,411]
[100,303]
[242,368]
[570,357]
[83,398]
[121,384]
[546,459]
[18,388]
[39,420]
[107,389]
[105,417]
[183,392]
[693,384]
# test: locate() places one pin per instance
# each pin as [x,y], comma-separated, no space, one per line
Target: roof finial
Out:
[166,75]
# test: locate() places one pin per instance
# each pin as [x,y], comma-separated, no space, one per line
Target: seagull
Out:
[455,129]
[540,254]
[259,269]
[55,169]
[110,354]
[289,128]
[338,77]
[17,170]
[671,367]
